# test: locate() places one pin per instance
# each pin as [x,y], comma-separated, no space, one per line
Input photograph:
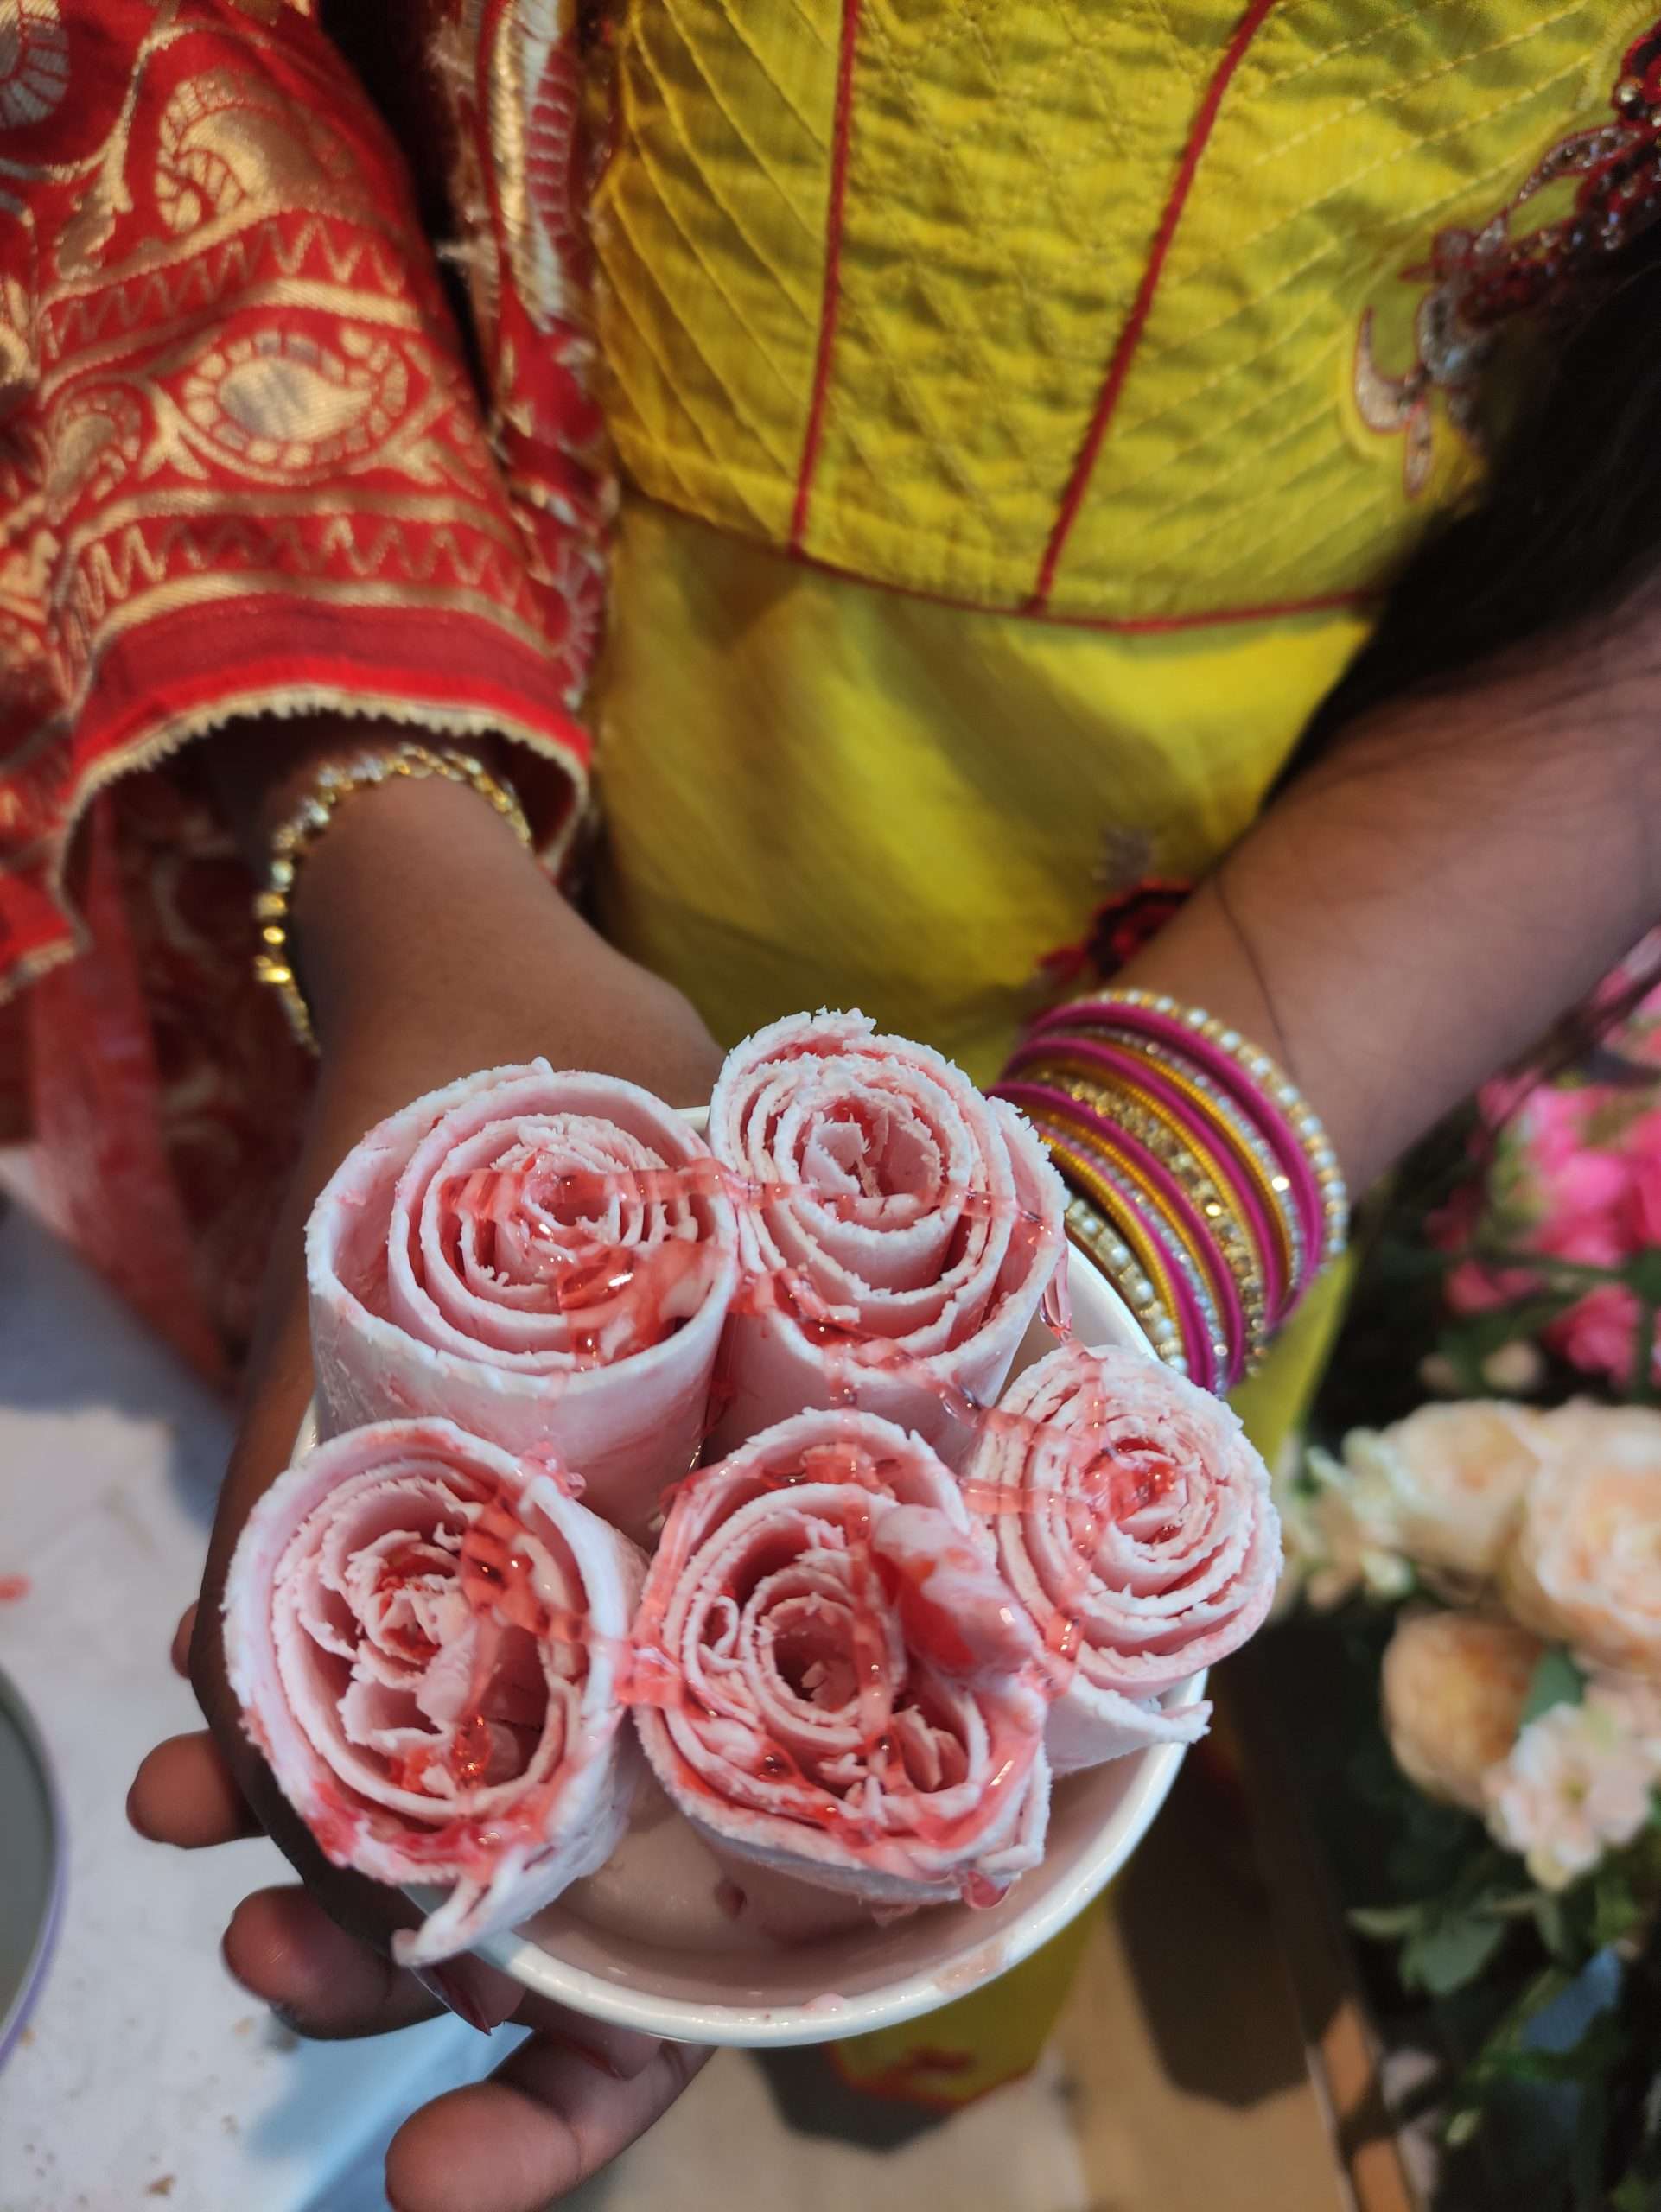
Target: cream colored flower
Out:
[1447,1483]
[1580,1781]
[1454,1685]
[1585,1565]
[1339,1534]
[1515,1369]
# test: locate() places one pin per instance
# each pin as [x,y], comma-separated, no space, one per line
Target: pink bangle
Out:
[1169,1123]
[1115,1064]
[1218,1349]
[1250,1077]
[1193,1338]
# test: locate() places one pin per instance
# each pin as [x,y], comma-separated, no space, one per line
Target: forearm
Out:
[1419,908]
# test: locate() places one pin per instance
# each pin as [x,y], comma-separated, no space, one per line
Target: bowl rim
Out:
[955,1973]
[958,1973]
[14,2016]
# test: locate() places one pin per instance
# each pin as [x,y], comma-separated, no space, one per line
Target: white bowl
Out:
[855,1979]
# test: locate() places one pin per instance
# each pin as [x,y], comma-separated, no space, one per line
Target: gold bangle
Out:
[1101,1244]
[1142,1279]
[1306,1125]
[1195,1169]
[1230,1122]
[1116,1191]
[1219,1112]
[333,784]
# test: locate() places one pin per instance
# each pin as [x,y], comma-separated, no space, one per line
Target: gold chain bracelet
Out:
[333,784]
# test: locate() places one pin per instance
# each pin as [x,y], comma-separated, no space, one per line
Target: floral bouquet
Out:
[1487,1573]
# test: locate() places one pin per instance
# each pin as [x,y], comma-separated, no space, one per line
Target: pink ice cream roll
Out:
[1131,1515]
[830,1679]
[899,1231]
[547,1259]
[429,1643]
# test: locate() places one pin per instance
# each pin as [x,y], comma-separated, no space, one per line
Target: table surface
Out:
[145,2074]
[147,2077]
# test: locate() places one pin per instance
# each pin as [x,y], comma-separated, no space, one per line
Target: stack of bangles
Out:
[1202,1185]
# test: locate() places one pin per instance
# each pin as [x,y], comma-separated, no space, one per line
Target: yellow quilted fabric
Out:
[817,791]
[710,228]
[1008,162]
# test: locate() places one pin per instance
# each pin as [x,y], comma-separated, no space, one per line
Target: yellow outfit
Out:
[815,790]
[1019,404]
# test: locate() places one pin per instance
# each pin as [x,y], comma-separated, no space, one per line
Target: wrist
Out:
[429,942]
[414,891]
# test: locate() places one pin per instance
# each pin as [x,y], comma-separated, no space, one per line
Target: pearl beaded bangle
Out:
[1203,1183]
[1265,1090]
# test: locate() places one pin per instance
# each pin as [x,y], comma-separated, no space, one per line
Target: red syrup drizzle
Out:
[497,1577]
[587,1280]
[656,1679]
[847,1350]
[645,1287]
[598,1284]
[412,1562]
[1098,1486]
[979,1889]
[1056,1305]
[621,1298]
[335,1826]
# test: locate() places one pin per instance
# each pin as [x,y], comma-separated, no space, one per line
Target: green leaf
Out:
[1615,1909]
[1386,1924]
[1586,2063]
[1641,1388]
[1552,1924]
[1462,2127]
[1450,1952]
[1556,1681]
[1635,2195]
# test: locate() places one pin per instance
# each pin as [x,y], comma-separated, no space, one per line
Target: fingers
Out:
[284,1948]
[616,2051]
[544,2121]
[184,1794]
[182,1636]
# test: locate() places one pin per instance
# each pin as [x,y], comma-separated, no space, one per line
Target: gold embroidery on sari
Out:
[95,438]
[182,441]
[225,140]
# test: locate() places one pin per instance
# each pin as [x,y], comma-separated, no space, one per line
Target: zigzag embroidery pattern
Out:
[149,300]
[115,571]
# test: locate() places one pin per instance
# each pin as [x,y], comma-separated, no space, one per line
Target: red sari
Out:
[245,472]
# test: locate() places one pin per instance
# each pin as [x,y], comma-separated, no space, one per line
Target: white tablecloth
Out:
[147,2076]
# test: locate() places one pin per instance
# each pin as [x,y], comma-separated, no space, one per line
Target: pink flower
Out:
[1574,1174]
[1644,1152]
[1473,1288]
[1595,1335]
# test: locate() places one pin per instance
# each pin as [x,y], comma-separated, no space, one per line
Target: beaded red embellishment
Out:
[1118,930]
[1481,279]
